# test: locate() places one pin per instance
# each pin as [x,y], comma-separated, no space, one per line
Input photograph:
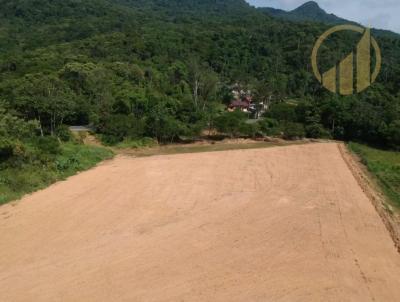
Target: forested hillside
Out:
[163,69]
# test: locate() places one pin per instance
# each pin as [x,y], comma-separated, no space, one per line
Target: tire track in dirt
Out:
[277,224]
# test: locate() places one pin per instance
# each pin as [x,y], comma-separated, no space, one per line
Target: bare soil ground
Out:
[209,145]
[277,224]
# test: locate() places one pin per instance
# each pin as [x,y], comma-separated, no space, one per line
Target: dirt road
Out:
[277,224]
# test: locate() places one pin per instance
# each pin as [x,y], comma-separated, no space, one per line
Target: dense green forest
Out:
[163,69]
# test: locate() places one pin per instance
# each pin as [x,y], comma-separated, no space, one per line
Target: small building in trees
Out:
[243,101]
[243,105]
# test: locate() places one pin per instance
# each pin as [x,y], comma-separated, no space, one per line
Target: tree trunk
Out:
[196,92]
[40,126]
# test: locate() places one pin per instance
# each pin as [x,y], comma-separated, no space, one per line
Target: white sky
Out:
[382,14]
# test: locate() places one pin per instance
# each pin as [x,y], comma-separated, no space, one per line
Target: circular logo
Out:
[353,73]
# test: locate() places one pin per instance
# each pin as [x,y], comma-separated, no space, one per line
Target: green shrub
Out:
[48,145]
[117,127]
[251,130]
[110,140]
[64,164]
[6,149]
[283,112]
[270,127]
[63,133]
[293,131]
[393,134]
[137,143]
[316,131]
[231,123]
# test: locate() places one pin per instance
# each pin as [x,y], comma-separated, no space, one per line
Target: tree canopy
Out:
[163,69]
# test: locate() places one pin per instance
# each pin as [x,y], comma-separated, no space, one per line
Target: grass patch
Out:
[385,166]
[193,148]
[16,182]
[137,143]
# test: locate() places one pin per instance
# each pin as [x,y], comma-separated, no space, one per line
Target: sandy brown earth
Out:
[277,224]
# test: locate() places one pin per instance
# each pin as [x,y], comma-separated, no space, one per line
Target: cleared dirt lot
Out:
[277,224]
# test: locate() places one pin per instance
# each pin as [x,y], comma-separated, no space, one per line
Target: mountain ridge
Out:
[308,11]
[311,12]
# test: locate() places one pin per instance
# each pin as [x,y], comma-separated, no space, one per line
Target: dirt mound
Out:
[276,224]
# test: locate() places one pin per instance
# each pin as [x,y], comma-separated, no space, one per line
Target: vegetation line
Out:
[373,189]
[218,147]
[48,167]
[384,166]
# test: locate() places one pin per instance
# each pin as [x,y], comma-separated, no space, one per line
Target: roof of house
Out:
[238,103]
[248,99]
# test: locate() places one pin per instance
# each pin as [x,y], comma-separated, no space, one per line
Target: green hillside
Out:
[164,69]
